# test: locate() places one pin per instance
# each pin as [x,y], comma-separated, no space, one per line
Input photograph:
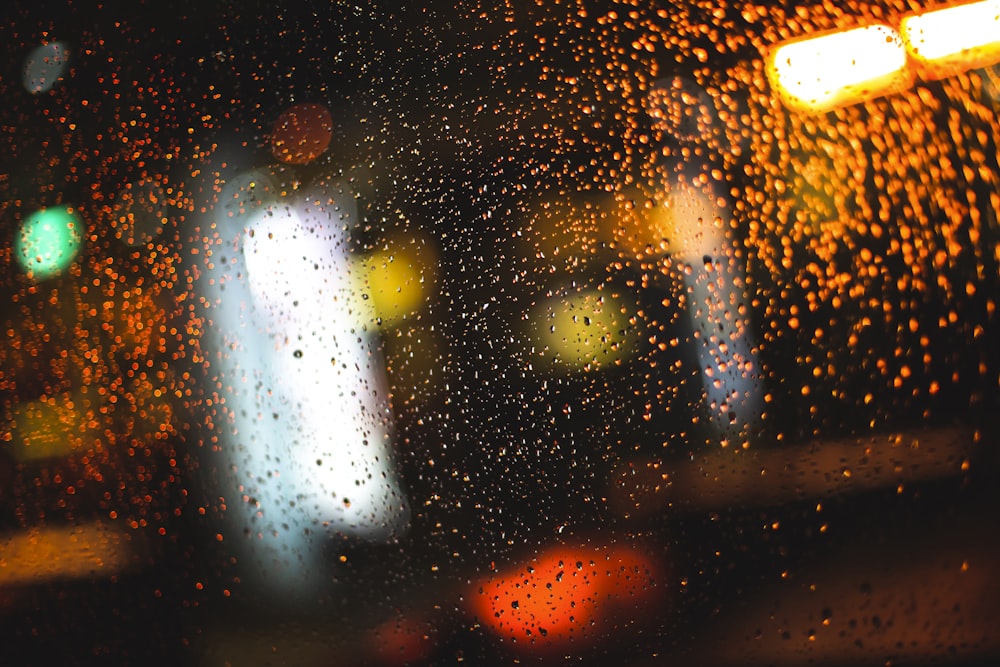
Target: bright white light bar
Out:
[307,434]
[839,68]
[954,39]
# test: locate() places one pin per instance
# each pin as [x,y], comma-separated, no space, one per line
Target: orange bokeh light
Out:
[302,133]
[568,596]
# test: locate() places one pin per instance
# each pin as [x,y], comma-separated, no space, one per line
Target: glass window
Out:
[499,333]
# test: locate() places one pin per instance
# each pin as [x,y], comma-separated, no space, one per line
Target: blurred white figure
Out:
[715,284]
[309,425]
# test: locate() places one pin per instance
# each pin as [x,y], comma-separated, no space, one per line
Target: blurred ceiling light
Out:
[49,242]
[822,72]
[68,552]
[947,41]
[44,67]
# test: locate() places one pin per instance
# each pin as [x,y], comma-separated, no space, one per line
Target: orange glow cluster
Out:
[568,595]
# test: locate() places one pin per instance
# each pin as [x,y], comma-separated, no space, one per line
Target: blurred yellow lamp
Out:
[396,281]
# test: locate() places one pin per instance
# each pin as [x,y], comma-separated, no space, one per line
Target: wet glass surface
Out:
[499,333]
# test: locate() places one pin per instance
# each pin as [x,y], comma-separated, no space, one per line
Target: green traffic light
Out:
[49,241]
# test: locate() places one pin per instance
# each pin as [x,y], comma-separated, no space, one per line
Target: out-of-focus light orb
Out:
[48,242]
[308,425]
[44,67]
[140,213]
[580,331]
[568,598]
[692,222]
[302,133]
[951,40]
[834,69]
[396,280]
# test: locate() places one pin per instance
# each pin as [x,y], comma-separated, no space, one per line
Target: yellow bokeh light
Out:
[822,72]
[954,39]
[581,331]
[396,280]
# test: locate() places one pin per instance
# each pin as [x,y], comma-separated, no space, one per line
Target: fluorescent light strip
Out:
[954,39]
[839,68]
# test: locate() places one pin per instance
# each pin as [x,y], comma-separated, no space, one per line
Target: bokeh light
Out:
[83,550]
[582,330]
[44,67]
[306,398]
[302,133]
[826,71]
[49,242]
[397,279]
[954,39]
[567,597]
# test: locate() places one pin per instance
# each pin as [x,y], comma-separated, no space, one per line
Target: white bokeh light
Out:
[45,66]
[308,438]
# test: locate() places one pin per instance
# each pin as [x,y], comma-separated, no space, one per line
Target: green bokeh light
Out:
[49,241]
